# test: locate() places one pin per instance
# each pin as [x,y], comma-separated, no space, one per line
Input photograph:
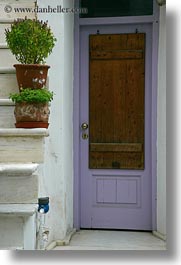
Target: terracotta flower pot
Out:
[31,75]
[31,115]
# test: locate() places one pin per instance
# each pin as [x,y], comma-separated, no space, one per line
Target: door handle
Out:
[84,126]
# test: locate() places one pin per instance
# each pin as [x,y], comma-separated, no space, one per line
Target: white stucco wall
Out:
[68,112]
[57,171]
[161,133]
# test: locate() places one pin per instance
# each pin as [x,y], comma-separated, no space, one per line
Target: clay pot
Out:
[31,75]
[31,115]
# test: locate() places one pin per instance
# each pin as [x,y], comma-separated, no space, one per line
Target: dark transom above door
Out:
[116,101]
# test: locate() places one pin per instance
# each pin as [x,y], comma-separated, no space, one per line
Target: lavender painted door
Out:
[115,194]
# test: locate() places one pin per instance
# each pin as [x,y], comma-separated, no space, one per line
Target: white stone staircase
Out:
[18,207]
[21,150]
[8,82]
[7,119]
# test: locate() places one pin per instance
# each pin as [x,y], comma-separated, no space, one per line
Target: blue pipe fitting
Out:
[43,204]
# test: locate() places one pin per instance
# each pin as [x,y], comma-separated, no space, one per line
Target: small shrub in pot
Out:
[31,41]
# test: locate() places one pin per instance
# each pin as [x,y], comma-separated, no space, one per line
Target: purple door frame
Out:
[154,21]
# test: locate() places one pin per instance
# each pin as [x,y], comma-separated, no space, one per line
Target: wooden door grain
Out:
[116,101]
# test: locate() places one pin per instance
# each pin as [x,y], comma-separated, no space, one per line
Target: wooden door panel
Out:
[116,100]
[115,147]
[120,54]
[119,160]
[114,42]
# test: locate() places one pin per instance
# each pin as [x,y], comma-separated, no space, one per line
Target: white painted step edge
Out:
[15,132]
[6,102]
[6,20]
[17,169]
[3,46]
[18,209]
[7,70]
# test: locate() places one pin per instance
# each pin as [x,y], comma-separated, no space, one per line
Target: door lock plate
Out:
[85,136]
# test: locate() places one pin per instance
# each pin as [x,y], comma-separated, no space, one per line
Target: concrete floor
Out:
[113,240]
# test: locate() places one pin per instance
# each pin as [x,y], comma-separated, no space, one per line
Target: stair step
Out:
[7,58]
[39,132]
[18,209]
[7,119]
[17,169]
[7,70]
[6,20]
[3,45]
[14,180]
[18,226]
[22,145]
[5,25]
[8,84]
[6,102]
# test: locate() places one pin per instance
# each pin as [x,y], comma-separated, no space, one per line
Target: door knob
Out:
[84,126]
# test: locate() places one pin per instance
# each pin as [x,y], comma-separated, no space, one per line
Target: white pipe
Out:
[43,231]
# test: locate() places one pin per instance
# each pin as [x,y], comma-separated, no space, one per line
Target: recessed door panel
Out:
[116,101]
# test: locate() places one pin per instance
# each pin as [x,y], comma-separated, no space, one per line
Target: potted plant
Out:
[31,41]
[32,108]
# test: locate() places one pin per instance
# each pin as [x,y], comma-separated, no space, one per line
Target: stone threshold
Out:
[63,242]
[113,240]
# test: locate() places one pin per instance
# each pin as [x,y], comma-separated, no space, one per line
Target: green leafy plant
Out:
[30,40]
[32,96]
